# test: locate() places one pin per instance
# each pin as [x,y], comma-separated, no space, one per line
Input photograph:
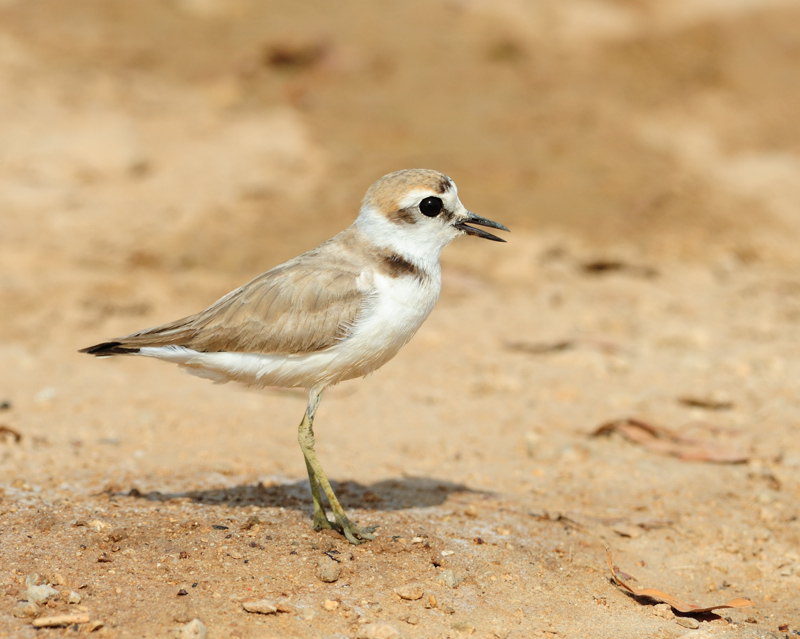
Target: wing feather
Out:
[305,305]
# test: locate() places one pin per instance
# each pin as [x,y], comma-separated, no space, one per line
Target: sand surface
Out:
[154,155]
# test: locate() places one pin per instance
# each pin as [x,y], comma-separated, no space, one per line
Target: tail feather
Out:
[109,348]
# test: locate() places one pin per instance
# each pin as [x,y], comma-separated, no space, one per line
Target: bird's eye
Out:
[430,206]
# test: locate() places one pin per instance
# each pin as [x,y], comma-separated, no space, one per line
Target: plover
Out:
[336,312]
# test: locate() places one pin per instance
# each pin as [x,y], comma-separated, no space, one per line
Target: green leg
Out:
[319,480]
[320,518]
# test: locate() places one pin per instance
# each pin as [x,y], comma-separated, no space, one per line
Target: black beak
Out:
[482,221]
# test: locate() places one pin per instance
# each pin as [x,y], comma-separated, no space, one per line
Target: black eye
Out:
[430,206]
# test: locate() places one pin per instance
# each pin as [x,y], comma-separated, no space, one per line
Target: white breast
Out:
[396,308]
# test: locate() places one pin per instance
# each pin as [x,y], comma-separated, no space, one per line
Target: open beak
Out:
[462,225]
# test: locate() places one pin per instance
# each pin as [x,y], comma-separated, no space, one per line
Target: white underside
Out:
[397,307]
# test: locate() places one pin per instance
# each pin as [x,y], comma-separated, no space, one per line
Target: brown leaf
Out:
[558,518]
[651,593]
[15,435]
[668,442]
[540,348]
[561,345]
[708,403]
[297,55]
[604,266]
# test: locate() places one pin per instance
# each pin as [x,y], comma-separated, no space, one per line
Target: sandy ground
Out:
[154,155]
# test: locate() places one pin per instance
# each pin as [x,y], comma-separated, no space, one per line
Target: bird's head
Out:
[417,212]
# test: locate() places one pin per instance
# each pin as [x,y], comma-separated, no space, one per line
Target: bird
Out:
[333,313]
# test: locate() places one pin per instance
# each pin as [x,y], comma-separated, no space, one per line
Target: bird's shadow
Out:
[386,495]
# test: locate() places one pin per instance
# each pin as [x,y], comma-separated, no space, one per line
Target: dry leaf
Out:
[603,266]
[708,403]
[558,518]
[667,442]
[540,348]
[619,578]
[15,435]
[559,346]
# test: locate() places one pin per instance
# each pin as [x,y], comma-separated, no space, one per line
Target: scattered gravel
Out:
[25,610]
[328,570]
[40,594]
[688,622]
[98,525]
[262,606]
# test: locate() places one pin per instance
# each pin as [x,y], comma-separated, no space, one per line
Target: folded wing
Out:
[295,308]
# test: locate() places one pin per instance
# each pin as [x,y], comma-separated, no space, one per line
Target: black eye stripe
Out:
[431,206]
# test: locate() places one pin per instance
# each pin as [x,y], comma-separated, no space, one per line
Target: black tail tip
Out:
[109,348]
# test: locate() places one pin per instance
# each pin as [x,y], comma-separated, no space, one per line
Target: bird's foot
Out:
[343,525]
[354,534]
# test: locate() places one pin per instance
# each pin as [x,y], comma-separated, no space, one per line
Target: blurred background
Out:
[188,136]
[154,154]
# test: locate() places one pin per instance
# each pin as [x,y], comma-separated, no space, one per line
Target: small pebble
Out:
[73,597]
[40,594]
[450,579]
[195,629]
[409,592]
[98,525]
[183,614]
[25,610]
[46,394]
[32,580]
[377,631]
[308,614]
[663,610]
[463,626]
[330,604]
[262,606]
[328,570]
[688,622]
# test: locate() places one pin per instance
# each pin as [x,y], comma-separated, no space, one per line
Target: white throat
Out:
[420,244]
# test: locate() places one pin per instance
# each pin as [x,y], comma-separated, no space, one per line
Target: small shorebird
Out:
[334,313]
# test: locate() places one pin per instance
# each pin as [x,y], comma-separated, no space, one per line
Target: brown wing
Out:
[302,306]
